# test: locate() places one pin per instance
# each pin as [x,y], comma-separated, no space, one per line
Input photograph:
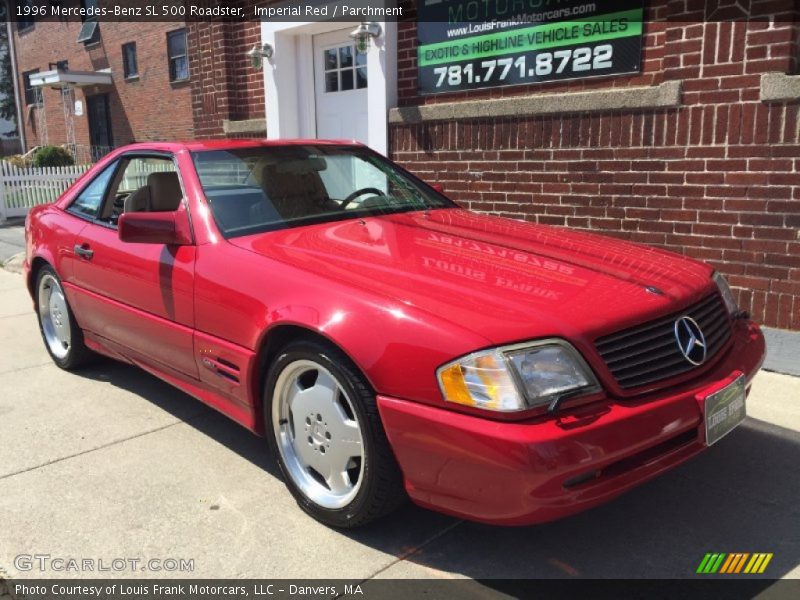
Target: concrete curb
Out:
[14,264]
[783,350]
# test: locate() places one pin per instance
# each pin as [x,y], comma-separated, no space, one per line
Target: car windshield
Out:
[258,189]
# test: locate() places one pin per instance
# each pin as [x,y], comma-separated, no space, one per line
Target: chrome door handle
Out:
[84,251]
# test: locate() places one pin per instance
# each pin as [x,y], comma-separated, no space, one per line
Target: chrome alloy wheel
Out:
[318,434]
[54,315]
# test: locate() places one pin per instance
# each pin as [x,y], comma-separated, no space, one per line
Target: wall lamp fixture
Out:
[363,34]
[258,53]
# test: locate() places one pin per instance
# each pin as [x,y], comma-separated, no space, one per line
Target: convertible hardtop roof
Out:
[228,144]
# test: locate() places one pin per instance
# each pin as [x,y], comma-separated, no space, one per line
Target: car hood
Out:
[503,279]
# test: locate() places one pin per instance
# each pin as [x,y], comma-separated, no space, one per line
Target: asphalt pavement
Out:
[110,463]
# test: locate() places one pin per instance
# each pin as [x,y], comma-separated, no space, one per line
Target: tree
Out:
[8,106]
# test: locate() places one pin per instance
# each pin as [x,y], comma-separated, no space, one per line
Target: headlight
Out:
[727,294]
[514,378]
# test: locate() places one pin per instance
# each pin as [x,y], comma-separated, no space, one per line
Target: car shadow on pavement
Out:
[741,495]
[400,534]
[184,407]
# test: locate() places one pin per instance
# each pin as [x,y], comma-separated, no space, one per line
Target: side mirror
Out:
[438,187]
[170,228]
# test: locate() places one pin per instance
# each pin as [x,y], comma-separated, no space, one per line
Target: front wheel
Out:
[60,332]
[323,425]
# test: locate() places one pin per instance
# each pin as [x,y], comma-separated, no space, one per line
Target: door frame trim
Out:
[289,80]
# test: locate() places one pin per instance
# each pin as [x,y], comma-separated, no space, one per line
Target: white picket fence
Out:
[23,188]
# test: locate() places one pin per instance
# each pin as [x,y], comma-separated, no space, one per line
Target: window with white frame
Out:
[345,69]
[176,51]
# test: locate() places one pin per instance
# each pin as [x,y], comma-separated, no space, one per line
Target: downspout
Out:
[18,100]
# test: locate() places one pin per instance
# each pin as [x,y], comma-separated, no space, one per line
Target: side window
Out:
[145,183]
[30,93]
[137,171]
[90,200]
[176,51]
[130,68]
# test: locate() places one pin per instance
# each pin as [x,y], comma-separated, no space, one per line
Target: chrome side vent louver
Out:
[223,368]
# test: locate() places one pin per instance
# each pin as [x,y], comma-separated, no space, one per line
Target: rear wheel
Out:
[61,334]
[323,426]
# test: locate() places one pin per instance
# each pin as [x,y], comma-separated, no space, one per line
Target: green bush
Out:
[52,156]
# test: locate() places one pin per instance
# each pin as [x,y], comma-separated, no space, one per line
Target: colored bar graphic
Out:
[728,564]
[703,563]
[756,565]
[749,566]
[717,564]
[732,558]
[711,562]
[757,568]
[764,564]
[741,562]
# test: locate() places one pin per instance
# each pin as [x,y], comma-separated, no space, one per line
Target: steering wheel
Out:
[361,192]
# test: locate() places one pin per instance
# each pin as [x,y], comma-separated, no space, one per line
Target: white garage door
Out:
[340,87]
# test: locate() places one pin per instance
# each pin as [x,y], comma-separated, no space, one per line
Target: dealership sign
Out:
[467,44]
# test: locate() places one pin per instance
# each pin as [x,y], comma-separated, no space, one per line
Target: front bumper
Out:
[531,472]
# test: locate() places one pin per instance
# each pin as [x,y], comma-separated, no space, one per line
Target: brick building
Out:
[138,102]
[156,80]
[692,144]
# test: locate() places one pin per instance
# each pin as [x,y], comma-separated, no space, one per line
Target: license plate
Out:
[724,410]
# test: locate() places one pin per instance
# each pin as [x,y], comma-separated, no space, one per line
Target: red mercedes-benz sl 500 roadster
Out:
[387,343]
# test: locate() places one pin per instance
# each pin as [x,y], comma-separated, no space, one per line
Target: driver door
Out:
[139,296]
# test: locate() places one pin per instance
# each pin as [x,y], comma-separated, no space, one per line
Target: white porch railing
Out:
[23,188]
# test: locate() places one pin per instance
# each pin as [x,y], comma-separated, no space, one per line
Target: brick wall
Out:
[148,108]
[209,73]
[224,84]
[717,179]
[248,82]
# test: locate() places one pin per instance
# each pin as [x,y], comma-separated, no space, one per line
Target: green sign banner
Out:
[466,44]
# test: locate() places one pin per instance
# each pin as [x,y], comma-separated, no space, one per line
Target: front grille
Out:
[649,353]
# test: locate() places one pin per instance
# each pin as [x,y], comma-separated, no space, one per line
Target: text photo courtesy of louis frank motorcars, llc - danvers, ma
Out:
[399,299]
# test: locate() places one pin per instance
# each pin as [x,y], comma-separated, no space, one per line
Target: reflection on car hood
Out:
[504,279]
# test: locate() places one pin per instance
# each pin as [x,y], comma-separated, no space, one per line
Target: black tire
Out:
[381,483]
[77,355]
